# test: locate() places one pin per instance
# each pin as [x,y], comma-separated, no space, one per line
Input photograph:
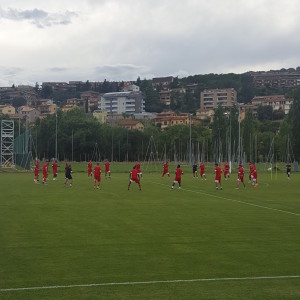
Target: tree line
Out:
[81,137]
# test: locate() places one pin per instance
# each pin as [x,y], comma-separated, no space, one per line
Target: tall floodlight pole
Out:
[56,135]
[190,139]
[72,145]
[112,145]
[229,148]
[239,154]
[27,126]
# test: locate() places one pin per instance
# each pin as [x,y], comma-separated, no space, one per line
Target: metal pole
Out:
[190,139]
[229,149]
[239,154]
[72,145]
[112,145]
[56,136]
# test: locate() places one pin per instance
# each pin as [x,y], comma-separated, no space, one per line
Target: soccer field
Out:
[197,243]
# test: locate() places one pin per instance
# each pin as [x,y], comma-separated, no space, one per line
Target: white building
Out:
[122,102]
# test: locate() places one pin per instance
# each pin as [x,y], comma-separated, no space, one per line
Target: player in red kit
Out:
[133,177]
[254,176]
[240,178]
[97,176]
[45,172]
[166,169]
[202,170]
[178,173]
[226,170]
[90,169]
[107,168]
[36,171]
[54,169]
[139,171]
[250,172]
[218,177]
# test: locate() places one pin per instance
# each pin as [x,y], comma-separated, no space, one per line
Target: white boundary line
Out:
[238,201]
[149,282]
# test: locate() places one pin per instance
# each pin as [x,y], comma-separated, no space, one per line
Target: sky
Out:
[119,40]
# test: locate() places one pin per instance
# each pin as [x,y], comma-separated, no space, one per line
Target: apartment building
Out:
[211,99]
[276,101]
[164,82]
[165,97]
[275,79]
[122,103]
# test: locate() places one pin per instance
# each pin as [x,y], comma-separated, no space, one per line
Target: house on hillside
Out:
[30,113]
[164,82]
[7,110]
[131,124]
[167,119]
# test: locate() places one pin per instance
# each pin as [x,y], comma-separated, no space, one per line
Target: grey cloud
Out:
[10,71]
[58,69]
[39,18]
[121,70]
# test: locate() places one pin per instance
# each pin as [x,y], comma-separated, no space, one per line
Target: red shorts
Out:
[218,179]
[89,172]
[202,173]
[177,179]
[226,173]
[36,173]
[165,171]
[241,178]
[134,180]
[97,178]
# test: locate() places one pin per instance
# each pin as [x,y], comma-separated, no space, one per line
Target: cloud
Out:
[58,69]
[13,75]
[121,71]
[10,71]
[37,17]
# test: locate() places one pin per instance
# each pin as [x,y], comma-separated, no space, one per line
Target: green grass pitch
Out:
[229,244]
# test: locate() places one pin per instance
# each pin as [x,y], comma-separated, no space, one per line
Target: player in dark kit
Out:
[68,173]
[288,170]
[133,177]
[195,171]
[178,173]
[54,169]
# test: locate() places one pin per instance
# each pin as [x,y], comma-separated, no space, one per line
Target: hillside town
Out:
[126,105]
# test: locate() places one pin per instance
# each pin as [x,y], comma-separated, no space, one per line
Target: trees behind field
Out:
[80,136]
